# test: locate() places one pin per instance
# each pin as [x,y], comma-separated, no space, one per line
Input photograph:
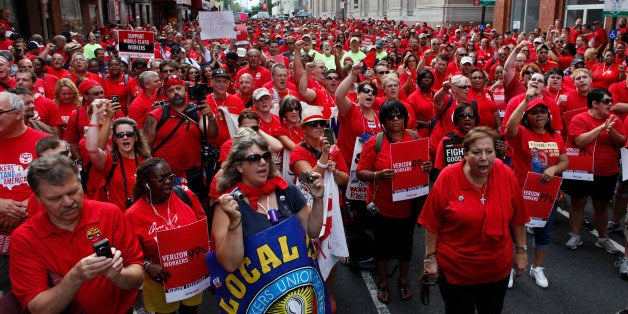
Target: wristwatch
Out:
[523,247]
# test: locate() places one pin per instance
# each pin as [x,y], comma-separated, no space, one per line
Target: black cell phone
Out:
[329,134]
[114,98]
[102,248]
[306,177]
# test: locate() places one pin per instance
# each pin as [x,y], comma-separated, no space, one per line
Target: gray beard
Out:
[177,101]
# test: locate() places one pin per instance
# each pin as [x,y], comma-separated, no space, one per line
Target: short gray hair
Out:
[54,169]
[145,78]
[14,100]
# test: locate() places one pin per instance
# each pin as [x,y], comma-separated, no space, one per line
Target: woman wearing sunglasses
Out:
[450,149]
[118,165]
[268,199]
[290,134]
[453,92]
[356,120]
[393,222]
[540,149]
[157,208]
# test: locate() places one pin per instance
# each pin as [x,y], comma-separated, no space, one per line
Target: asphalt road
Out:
[580,281]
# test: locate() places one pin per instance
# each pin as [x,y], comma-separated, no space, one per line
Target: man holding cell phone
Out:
[60,241]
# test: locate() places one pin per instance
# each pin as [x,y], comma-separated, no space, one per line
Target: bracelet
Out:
[429,259]
[93,125]
[236,226]
[318,197]
[318,163]
[147,263]
[374,176]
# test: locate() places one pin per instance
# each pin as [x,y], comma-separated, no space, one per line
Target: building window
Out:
[71,15]
[356,4]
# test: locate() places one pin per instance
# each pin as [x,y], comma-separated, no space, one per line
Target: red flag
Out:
[264,5]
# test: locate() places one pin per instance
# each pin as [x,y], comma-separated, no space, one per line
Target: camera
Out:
[306,177]
[372,208]
[237,195]
[102,248]
[114,98]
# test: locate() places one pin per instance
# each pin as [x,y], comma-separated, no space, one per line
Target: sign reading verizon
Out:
[136,44]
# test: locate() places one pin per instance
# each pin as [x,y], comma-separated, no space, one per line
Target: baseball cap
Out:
[354,39]
[241,52]
[576,61]
[260,92]
[32,45]
[466,60]
[539,47]
[535,102]
[220,73]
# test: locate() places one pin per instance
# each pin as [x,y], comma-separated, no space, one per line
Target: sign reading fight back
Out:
[278,274]
[409,181]
[539,198]
[135,44]
[182,253]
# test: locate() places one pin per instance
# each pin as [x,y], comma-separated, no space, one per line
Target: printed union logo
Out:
[26,158]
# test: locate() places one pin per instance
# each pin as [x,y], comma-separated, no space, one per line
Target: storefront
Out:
[587,10]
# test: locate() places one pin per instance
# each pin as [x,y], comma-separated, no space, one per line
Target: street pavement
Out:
[580,281]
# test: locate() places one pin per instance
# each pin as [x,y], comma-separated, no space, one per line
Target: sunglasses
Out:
[538,111]
[163,178]
[332,78]
[128,134]
[256,158]
[394,116]
[297,109]
[317,123]
[254,127]
[464,86]
[382,72]
[529,72]
[466,115]
[607,100]
[369,91]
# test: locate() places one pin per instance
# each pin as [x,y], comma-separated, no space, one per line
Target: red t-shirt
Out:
[65,110]
[606,154]
[527,143]
[444,125]
[604,76]
[513,89]
[353,125]
[486,107]
[17,154]
[453,210]
[42,248]
[60,73]
[77,124]
[121,89]
[619,91]
[145,224]
[555,114]
[140,107]
[295,134]
[11,83]
[187,138]
[271,126]
[115,191]
[382,197]
[47,111]
[89,76]
[574,101]
[49,85]
[260,77]
[234,105]
[423,107]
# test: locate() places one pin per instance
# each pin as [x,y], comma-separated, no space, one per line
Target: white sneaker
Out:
[607,245]
[511,279]
[623,267]
[539,276]
[573,242]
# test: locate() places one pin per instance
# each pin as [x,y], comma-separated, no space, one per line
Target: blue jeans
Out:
[542,235]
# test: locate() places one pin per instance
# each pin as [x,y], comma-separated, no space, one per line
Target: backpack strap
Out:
[180,192]
[112,170]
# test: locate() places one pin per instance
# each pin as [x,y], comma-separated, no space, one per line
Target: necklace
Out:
[477,188]
[167,221]
[265,209]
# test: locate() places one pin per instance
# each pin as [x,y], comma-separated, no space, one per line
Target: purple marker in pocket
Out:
[273,216]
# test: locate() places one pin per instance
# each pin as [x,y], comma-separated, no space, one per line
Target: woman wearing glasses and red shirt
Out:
[118,165]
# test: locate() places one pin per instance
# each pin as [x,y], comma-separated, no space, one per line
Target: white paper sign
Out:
[219,24]
[624,163]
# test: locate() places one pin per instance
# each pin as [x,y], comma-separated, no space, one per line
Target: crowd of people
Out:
[165,141]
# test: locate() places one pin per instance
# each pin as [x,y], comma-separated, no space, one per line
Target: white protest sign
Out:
[219,24]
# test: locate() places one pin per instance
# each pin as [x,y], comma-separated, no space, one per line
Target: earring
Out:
[147,186]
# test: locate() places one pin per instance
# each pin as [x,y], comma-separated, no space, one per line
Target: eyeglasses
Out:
[529,72]
[369,91]
[195,73]
[462,54]
[464,86]
[256,158]
[5,111]
[163,178]
[167,71]
[538,111]
[607,100]
[466,116]
[332,78]
[317,123]
[100,93]
[128,134]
